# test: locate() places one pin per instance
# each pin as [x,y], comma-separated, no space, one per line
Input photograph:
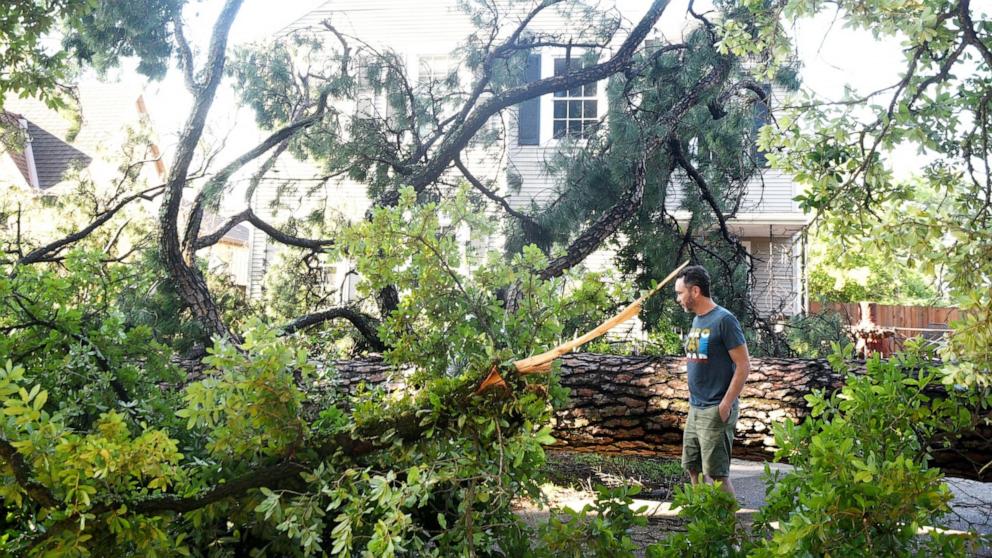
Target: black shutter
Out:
[529,119]
[761,117]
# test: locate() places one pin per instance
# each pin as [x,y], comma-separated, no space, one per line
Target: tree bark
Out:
[638,405]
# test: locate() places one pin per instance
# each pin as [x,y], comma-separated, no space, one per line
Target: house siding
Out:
[771,191]
[776,287]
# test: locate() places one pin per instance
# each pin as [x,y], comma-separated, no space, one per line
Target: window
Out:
[433,68]
[576,110]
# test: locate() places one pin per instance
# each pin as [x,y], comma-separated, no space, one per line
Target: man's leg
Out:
[716,439]
[691,455]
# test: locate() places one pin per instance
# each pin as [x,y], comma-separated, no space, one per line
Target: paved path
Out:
[971,507]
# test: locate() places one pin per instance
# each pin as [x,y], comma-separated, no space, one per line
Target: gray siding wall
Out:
[777,288]
[771,192]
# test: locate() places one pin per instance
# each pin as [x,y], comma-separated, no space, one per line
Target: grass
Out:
[657,476]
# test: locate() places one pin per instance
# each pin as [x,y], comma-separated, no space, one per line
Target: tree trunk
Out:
[638,405]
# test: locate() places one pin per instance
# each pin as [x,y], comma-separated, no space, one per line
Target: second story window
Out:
[576,110]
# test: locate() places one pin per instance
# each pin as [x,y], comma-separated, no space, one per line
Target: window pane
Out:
[575,109]
[590,89]
[561,93]
[575,128]
[559,66]
[589,110]
[559,128]
[560,109]
[575,92]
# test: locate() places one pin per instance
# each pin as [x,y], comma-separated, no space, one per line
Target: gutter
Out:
[29,156]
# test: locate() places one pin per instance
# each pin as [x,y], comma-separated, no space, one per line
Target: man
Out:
[718,365]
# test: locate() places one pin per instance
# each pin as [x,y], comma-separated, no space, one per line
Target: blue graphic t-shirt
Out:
[707,351]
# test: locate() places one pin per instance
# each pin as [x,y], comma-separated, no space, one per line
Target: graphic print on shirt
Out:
[697,344]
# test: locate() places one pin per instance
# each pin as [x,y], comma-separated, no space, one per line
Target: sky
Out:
[831,56]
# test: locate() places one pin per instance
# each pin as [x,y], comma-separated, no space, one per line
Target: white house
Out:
[425,33]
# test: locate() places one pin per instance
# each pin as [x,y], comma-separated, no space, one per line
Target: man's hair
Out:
[696,275]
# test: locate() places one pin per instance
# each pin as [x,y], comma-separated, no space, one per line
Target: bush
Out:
[712,531]
[860,485]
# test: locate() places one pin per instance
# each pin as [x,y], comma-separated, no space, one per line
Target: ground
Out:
[572,476]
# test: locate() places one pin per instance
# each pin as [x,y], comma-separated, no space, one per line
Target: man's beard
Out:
[689,303]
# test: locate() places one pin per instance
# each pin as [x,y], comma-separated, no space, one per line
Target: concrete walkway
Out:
[971,507]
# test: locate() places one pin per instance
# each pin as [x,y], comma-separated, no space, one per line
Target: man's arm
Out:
[742,362]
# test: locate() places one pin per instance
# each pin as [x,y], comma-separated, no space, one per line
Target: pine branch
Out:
[248,215]
[366,325]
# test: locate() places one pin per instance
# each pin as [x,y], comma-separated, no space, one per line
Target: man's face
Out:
[686,295]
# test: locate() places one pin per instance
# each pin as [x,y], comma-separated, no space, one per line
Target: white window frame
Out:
[546,136]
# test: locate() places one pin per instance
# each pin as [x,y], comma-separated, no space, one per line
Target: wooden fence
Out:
[902,317]
[930,322]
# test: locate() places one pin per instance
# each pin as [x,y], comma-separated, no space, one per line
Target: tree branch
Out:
[971,36]
[22,473]
[460,135]
[44,252]
[675,147]
[365,324]
[217,182]
[273,233]
[477,184]
[185,53]
[609,223]
[602,229]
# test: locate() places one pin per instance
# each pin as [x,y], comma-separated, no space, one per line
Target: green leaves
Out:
[861,462]
[713,529]
[249,406]
[600,529]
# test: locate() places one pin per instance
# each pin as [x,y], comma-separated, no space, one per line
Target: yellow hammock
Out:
[542,362]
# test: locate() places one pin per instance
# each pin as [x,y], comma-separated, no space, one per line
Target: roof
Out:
[211,222]
[60,139]
[53,157]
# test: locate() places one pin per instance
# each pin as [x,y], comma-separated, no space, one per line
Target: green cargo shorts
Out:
[707,440]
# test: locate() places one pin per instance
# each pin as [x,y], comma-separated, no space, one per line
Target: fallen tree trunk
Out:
[638,405]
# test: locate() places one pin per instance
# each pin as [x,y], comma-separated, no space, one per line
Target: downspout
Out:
[804,239]
[29,156]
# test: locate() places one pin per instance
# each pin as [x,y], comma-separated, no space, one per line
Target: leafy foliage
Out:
[599,530]
[860,484]
[871,276]
[713,529]
[108,450]
[449,317]
[937,221]
[377,473]
[28,68]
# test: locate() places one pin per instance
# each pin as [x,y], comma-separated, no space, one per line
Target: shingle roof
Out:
[60,140]
[53,157]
